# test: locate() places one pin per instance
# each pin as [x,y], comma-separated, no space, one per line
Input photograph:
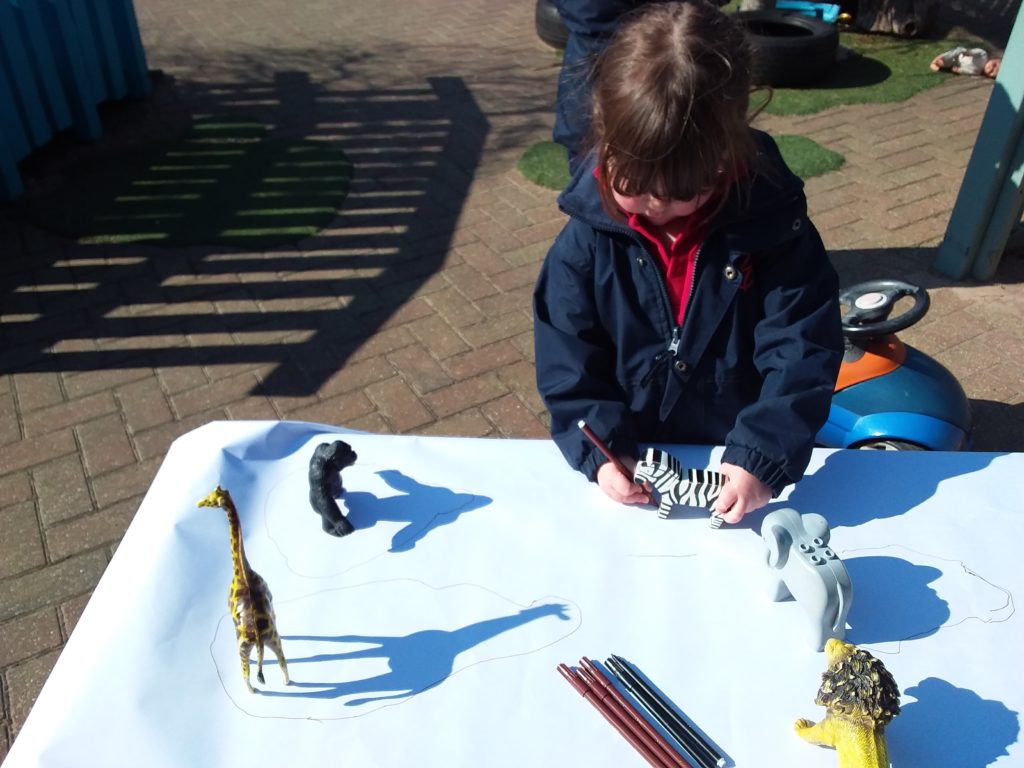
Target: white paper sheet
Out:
[431,635]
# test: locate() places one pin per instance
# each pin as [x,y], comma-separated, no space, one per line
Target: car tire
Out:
[885,444]
[788,48]
[550,27]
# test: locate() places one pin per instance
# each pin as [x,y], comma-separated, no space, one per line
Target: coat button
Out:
[680,366]
[730,272]
[640,260]
[797,223]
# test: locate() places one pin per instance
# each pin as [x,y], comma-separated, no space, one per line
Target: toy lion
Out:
[861,698]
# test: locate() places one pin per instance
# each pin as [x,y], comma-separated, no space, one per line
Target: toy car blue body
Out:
[889,395]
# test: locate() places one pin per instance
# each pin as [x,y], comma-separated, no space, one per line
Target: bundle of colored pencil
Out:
[591,682]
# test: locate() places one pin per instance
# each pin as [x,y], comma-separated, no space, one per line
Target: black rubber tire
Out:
[550,28]
[788,48]
[885,444]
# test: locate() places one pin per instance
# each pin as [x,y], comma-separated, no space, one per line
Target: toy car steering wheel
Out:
[870,304]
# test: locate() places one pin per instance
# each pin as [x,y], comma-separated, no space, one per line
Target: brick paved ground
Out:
[410,312]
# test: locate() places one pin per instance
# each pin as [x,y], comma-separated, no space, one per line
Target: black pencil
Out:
[661,711]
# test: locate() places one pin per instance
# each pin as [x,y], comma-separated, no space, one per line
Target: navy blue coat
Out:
[753,365]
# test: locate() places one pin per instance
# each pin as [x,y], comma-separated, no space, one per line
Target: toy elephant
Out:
[801,565]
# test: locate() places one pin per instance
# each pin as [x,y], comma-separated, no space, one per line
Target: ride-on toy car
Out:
[889,395]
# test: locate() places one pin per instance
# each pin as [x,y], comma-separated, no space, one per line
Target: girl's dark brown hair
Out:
[670,99]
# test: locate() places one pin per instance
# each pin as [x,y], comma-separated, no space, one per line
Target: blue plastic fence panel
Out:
[12,130]
[109,58]
[72,66]
[43,62]
[26,104]
[88,39]
[13,142]
[129,44]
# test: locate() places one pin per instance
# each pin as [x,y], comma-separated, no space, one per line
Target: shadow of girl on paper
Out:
[946,725]
[422,507]
[416,662]
[851,488]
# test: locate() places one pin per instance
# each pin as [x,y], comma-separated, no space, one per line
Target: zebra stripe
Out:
[694,488]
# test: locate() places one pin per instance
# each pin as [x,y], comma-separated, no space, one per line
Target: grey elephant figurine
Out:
[802,566]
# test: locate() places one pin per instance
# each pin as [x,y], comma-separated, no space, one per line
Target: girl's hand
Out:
[619,487]
[742,494]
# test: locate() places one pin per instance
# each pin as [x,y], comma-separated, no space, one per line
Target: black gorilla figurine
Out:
[325,484]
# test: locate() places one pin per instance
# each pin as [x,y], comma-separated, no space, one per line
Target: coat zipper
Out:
[677,330]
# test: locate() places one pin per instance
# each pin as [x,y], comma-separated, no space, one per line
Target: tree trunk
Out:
[903,18]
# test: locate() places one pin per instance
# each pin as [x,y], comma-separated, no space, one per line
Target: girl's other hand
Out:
[742,494]
[619,487]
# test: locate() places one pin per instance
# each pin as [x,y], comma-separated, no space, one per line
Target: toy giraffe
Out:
[249,599]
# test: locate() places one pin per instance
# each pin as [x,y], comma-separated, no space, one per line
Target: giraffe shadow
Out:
[416,662]
[421,507]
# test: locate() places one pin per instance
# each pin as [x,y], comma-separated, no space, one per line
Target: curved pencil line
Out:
[966,569]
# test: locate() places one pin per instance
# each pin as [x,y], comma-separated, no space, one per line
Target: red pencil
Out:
[599,444]
[647,749]
[626,706]
[616,462]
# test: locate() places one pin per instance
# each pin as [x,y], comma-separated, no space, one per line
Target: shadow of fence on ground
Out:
[293,314]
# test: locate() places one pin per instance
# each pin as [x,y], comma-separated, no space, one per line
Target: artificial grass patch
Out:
[873,69]
[807,158]
[225,183]
[545,163]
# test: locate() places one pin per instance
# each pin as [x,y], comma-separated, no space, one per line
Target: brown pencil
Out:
[599,701]
[625,705]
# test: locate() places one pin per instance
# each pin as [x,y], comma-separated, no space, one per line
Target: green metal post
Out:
[990,200]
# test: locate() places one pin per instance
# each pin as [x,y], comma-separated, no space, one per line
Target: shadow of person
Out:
[416,662]
[947,725]
[882,614]
[422,507]
[853,487]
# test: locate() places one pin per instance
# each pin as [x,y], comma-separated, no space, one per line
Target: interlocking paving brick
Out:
[143,404]
[465,394]
[399,404]
[92,530]
[341,409]
[68,413]
[71,612]
[468,423]
[419,368]
[481,360]
[514,419]
[494,329]
[26,636]
[37,390]
[15,488]
[50,585]
[61,489]
[154,443]
[20,546]
[79,385]
[104,444]
[124,483]
[31,452]
[213,395]
[23,683]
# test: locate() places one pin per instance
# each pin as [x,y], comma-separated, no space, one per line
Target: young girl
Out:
[688,299]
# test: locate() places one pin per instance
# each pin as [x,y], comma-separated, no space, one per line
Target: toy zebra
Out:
[692,488]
